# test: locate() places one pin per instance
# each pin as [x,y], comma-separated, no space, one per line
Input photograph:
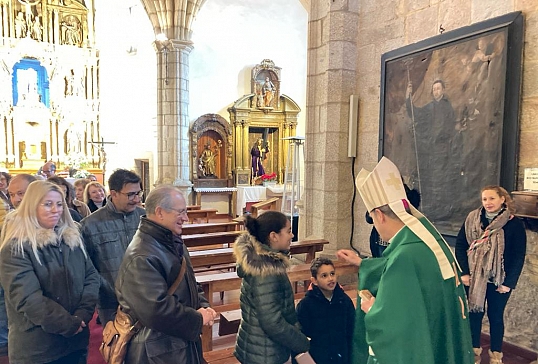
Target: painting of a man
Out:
[442,123]
[435,125]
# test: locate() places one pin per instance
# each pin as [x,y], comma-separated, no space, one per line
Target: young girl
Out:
[268,333]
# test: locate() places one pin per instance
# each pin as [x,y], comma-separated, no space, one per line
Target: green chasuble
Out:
[417,317]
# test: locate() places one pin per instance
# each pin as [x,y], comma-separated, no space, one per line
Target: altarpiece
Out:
[49,99]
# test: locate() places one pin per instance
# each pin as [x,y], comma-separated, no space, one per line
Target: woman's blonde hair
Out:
[22,225]
[87,190]
[502,193]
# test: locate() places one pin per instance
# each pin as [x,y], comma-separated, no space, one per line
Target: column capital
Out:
[173,45]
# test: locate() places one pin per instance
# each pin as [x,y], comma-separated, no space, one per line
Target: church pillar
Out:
[173,113]
[331,79]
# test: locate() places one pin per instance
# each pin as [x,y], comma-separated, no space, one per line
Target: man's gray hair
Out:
[160,196]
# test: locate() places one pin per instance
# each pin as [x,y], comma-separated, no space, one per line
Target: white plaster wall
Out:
[230,37]
[128,82]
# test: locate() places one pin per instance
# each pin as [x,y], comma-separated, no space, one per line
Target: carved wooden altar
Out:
[50,110]
[264,114]
[211,153]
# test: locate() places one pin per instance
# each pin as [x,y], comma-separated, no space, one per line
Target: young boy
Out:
[327,316]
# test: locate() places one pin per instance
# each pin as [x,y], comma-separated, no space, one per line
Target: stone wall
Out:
[390,24]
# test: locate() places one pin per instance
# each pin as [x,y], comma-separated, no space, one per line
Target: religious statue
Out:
[72,32]
[258,152]
[20,25]
[37,29]
[268,92]
[208,160]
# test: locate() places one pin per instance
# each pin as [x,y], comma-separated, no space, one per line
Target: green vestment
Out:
[417,317]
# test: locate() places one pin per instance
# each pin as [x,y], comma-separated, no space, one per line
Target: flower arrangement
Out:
[76,160]
[268,177]
[81,173]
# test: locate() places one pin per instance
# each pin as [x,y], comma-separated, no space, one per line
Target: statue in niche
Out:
[20,25]
[259,95]
[258,152]
[37,29]
[27,87]
[72,31]
[208,160]
[268,92]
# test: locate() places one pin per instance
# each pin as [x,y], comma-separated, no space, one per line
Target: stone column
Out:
[173,113]
[331,79]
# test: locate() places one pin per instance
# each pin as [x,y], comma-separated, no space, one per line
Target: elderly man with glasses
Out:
[108,231]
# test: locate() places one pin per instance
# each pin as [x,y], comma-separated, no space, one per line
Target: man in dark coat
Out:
[108,231]
[152,262]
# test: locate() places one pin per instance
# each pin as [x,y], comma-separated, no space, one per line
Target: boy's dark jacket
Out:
[329,324]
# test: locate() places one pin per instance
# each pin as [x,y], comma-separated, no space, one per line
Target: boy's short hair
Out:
[318,262]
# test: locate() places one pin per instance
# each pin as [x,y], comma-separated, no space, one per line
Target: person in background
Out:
[18,186]
[94,196]
[327,315]
[5,179]
[152,262]
[80,184]
[51,286]
[80,207]
[16,190]
[490,249]
[269,331]
[48,170]
[108,231]
[418,311]
[377,245]
[92,178]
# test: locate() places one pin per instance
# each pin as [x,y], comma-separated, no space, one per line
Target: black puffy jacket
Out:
[269,332]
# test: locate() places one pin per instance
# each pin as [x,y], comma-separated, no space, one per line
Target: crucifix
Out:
[101,146]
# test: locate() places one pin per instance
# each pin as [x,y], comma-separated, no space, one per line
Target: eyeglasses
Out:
[131,195]
[179,212]
[50,171]
[49,205]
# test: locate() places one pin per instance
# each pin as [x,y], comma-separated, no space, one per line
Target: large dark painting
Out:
[449,115]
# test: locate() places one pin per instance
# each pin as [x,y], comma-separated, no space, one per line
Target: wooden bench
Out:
[204,240]
[202,214]
[269,204]
[212,283]
[194,207]
[223,356]
[210,227]
[207,258]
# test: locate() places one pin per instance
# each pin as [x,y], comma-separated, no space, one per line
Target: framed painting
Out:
[449,115]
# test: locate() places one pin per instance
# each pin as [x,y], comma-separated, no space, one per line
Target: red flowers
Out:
[268,177]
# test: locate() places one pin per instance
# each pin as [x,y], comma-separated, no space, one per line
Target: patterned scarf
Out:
[485,255]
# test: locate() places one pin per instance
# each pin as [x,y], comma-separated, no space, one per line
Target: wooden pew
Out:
[223,356]
[194,207]
[269,204]
[206,258]
[210,227]
[201,240]
[212,283]
[203,214]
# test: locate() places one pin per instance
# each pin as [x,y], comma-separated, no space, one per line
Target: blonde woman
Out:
[94,196]
[50,284]
[490,249]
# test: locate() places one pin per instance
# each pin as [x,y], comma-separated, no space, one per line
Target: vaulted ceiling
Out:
[173,18]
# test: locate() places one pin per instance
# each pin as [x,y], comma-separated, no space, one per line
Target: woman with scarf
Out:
[490,249]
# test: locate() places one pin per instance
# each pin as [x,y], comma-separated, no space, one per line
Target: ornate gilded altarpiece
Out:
[264,116]
[49,98]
